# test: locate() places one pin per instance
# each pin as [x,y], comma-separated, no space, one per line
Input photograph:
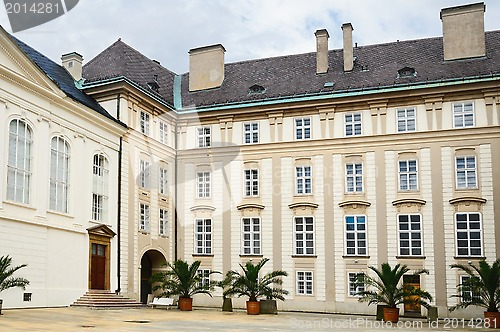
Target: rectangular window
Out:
[353,124]
[356,283]
[251,132]
[144,123]
[408,175]
[463,114]
[59,175]
[303,128]
[410,235]
[304,283]
[204,137]
[355,236]
[354,178]
[19,162]
[163,185]
[203,184]
[163,222]
[163,132]
[469,238]
[203,236]
[144,217]
[406,120]
[204,278]
[304,235]
[99,187]
[144,174]
[303,180]
[251,182]
[466,172]
[251,236]
[467,291]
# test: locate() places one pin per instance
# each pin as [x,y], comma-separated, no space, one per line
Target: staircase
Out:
[105,299]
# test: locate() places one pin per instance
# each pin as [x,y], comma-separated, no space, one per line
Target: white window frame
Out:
[163,180]
[405,120]
[464,290]
[303,236]
[406,177]
[463,112]
[303,129]
[251,182]
[203,236]
[163,222]
[464,182]
[163,132]
[19,162]
[303,180]
[144,122]
[203,137]
[144,217]
[469,235]
[204,275]
[59,177]
[203,186]
[251,133]
[144,174]
[304,283]
[358,235]
[353,124]
[353,286]
[100,174]
[251,243]
[410,235]
[354,176]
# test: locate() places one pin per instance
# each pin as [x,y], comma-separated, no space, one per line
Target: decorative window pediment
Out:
[467,203]
[101,230]
[303,205]
[354,204]
[409,205]
[202,208]
[250,206]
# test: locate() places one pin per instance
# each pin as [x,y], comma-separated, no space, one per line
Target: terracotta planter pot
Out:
[185,303]
[253,307]
[494,319]
[391,314]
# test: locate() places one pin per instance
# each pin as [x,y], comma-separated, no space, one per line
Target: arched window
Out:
[19,162]
[59,174]
[100,171]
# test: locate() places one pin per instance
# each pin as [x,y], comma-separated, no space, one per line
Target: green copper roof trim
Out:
[177,92]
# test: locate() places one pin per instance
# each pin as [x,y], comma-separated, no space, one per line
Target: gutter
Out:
[175,192]
[120,152]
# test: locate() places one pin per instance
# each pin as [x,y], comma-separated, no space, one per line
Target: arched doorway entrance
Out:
[151,262]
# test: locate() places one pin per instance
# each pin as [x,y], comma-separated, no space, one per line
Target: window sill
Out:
[355,257]
[144,232]
[202,255]
[304,256]
[410,257]
[478,258]
[62,214]
[163,236]
[251,256]
[23,205]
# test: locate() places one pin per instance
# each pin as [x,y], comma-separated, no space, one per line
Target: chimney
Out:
[348,52]
[463,31]
[206,67]
[73,63]
[321,51]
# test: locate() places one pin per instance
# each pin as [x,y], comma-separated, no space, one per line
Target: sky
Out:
[165,30]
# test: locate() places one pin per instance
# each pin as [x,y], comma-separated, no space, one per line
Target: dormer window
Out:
[407,72]
[153,86]
[256,89]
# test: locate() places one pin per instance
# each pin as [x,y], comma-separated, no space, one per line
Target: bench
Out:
[162,302]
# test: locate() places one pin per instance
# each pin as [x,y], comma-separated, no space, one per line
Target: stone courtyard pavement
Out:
[147,319]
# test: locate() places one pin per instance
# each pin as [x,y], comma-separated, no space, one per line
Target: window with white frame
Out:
[250,236]
[144,217]
[466,289]
[203,236]
[163,132]
[144,174]
[251,182]
[303,180]
[466,172]
[410,235]
[406,118]
[144,123]
[59,175]
[203,184]
[354,177]
[251,132]
[408,179]
[100,171]
[163,222]
[355,236]
[356,283]
[19,162]
[204,139]
[304,283]
[304,235]
[468,234]
[204,278]
[303,128]
[352,124]
[163,178]
[463,114]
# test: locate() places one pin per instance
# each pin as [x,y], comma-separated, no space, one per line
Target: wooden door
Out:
[98,266]
[414,306]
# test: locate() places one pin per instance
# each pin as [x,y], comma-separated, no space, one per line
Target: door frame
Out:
[100,234]
[414,309]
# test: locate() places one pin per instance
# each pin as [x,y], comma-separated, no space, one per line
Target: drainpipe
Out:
[117,291]
[175,192]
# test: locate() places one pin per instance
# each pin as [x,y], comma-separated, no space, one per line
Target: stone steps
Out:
[98,299]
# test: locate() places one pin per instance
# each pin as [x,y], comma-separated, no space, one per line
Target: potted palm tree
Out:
[249,283]
[183,280]
[386,288]
[6,279]
[481,288]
